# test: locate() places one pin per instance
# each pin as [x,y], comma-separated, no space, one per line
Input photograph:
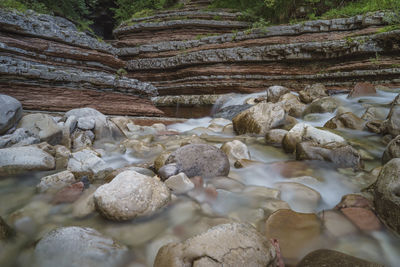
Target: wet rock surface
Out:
[226,244]
[131,194]
[386,190]
[10,112]
[78,246]
[259,119]
[28,158]
[200,160]
[326,257]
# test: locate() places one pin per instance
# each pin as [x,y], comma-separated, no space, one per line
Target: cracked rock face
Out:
[131,194]
[223,245]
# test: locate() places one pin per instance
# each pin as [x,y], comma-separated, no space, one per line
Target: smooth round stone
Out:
[200,160]
[131,194]
[324,257]
[77,246]
[297,232]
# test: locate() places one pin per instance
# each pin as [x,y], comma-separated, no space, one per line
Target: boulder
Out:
[292,104]
[223,245]
[202,160]
[392,150]
[275,92]
[392,123]
[275,136]
[56,181]
[43,126]
[10,112]
[87,163]
[236,150]
[20,137]
[375,113]
[387,194]
[322,105]
[259,119]
[78,246]
[312,92]
[342,155]
[104,128]
[325,257]
[346,120]
[129,195]
[296,232]
[179,183]
[230,112]
[362,89]
[304,132]
[27,158]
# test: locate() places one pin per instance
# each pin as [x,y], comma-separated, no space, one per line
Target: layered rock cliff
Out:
[195,52]
[47,64]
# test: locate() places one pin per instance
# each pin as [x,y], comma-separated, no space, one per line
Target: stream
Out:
[245,196]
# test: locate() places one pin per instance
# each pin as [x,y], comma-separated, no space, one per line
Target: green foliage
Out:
[362,7]
[127,9]
[75,10]
[121,73]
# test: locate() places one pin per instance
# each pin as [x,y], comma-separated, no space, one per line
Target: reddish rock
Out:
[362,89]
[354,201]
[198,181]
[364,219]
[69,194]
[64,99]
[290,169]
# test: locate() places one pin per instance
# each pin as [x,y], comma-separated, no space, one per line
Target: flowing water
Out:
[34,214]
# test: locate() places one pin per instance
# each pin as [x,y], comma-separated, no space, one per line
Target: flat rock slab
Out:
[64,99]
[28,158]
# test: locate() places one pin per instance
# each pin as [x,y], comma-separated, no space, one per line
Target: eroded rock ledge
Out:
[337,53]
[47,64]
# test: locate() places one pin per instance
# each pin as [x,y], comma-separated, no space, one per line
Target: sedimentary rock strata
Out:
[337,52]
[48,64]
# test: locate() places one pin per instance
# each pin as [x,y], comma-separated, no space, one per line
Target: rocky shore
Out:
[253,187]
